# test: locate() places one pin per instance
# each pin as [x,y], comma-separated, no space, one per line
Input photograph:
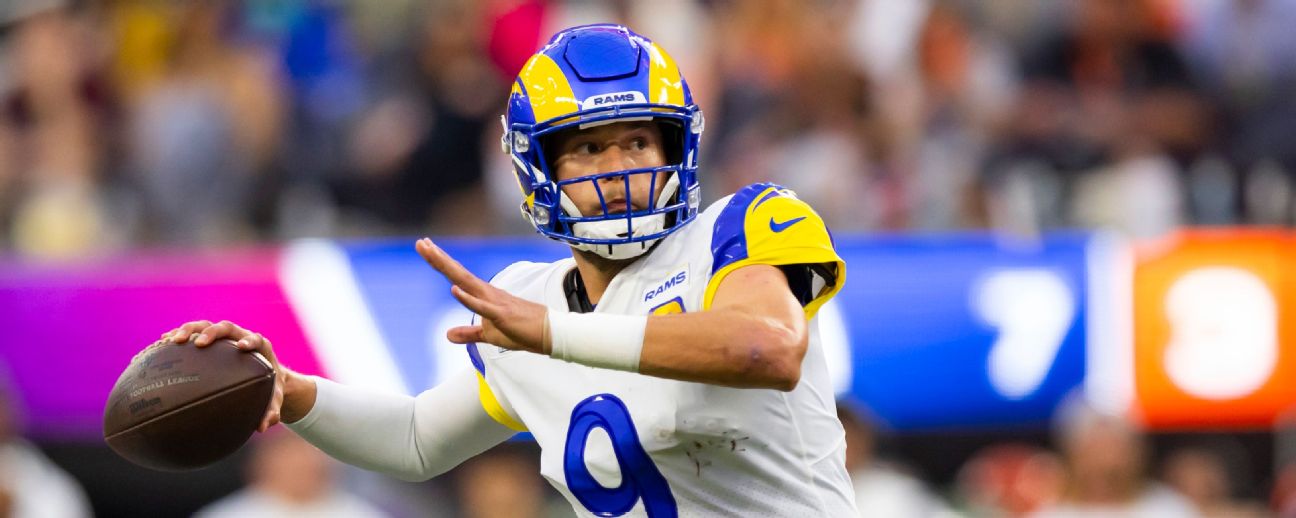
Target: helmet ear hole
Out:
[672,140]
[548,151]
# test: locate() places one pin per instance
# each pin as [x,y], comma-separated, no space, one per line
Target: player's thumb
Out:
[466,334]
[272,414]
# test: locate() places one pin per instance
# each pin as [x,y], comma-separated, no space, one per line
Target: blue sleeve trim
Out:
[476,359]
[473,354]
[729,239]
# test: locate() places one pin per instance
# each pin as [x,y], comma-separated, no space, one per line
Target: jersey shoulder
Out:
[527,279]
[765,223]
[524,279]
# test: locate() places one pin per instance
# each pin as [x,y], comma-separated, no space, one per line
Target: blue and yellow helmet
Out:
[591,75]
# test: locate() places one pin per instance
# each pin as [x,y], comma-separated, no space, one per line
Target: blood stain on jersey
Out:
[698,450]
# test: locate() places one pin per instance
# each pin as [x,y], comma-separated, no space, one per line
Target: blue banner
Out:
[929,332]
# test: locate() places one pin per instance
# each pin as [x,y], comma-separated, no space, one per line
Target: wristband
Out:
[597,339]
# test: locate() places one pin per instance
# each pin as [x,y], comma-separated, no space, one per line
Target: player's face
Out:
[603,149]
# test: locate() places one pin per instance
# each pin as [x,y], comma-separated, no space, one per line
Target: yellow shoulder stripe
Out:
[493,407]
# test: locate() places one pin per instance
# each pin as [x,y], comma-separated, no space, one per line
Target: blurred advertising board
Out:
[965,331]
[1213,329]
[936,332]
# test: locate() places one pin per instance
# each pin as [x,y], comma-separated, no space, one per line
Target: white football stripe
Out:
[322,289]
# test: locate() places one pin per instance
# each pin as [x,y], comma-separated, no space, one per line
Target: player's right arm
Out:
[411,438]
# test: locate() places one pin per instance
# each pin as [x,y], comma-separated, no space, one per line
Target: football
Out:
[181,407]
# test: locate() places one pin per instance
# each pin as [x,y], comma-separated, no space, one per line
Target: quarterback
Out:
[671,367]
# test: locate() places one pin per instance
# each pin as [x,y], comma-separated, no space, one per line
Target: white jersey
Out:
[618,443]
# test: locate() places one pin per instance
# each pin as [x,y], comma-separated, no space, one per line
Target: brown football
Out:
[180,407]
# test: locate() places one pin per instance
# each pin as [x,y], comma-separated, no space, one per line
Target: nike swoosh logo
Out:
[779,227]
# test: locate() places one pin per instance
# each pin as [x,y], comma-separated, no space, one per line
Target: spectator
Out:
[1112,97]
[503,484]
[1105,458]
[1244,54]
[287,477]
[49,116]
[880,489]
[209,125]
[1283,496]
[1011,480]
[435,181]
[31,486]
[1201,475]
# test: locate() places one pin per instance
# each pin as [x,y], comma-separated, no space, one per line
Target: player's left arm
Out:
[752,330]
[774,266]
[753,336]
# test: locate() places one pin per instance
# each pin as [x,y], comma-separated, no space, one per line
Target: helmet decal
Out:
[547,88]
[665,84]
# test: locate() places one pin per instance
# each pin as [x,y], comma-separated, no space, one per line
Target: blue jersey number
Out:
[639,476]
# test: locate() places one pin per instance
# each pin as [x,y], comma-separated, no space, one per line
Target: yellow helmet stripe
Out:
[550,93]
[665,85]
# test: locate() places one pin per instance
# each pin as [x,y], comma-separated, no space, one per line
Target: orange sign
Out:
[1213,329]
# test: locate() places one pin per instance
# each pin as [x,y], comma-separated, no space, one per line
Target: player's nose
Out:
[614,158]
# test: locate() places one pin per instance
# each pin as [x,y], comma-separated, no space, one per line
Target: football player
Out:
[672,366]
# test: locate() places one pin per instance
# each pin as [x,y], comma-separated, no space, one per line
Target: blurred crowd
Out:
[127,123]
[135,123]
[1093,465]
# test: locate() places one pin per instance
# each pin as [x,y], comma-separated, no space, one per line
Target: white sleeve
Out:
[410,438]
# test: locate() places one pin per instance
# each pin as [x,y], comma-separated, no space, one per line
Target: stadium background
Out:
[1040,202]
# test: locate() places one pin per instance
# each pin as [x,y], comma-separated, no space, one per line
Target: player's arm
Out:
[775,267]
[412,438]
[754,335]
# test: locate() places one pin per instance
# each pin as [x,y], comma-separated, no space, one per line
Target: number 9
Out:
[640,478]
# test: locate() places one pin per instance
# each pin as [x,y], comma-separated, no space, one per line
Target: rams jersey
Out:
[618,443]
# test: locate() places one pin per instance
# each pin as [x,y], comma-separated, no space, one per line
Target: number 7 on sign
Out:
[1032,310]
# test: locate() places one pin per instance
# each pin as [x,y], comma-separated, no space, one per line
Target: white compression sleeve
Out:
[597,339]
[410,438]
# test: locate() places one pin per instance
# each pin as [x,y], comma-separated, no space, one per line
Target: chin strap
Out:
[615,228]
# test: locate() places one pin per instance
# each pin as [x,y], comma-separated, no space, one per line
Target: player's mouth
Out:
[618,206]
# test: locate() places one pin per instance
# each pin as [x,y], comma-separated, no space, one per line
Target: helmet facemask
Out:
[632,225]
[621,235]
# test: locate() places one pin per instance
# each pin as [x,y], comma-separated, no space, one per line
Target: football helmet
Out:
[588,76]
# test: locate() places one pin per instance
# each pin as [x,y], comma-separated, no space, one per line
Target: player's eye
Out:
[639,144]
[586,148]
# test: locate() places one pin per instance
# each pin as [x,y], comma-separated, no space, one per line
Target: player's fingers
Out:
[450,268]
[466,334]
[182,334]
[475,304]
[253,342]
[256,342]
[222,329]
[188,329]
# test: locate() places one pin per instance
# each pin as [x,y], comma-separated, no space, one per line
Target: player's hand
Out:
[507,321]
[203,333]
